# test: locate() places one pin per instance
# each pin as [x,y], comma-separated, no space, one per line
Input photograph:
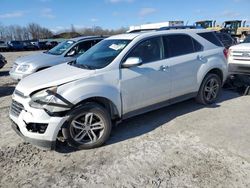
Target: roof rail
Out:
[180,27]
[167,28]
[141,30]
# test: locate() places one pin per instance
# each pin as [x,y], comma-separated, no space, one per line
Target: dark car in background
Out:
[3,46]
[42,45]
[226,39]
[2,61]
[15,45]
[29,46]
[247,39]
[51,44]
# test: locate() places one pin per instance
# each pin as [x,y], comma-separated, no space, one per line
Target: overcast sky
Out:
[113,14]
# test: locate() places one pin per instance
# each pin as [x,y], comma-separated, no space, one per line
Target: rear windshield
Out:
[210,36]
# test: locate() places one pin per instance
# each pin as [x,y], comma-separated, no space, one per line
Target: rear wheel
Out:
[88,126]
[209,90]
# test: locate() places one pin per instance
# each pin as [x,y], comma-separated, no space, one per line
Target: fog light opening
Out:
[37,127]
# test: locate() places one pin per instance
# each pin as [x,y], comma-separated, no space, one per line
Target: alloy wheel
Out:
[211,89]
[87,128]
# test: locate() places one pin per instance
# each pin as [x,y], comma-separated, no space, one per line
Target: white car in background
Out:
[239,59]
[120,77]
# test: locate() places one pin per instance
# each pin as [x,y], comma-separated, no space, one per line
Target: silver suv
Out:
[64,52]
[120,77]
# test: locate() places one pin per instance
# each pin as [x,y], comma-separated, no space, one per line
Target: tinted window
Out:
[210,36]
[225,39]
[82,47]
[176,45]
[148,50]
[247,40]
[197,46]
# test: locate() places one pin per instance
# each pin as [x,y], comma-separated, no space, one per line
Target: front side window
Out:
[102,54]
[148,50]
[176,45]
[61,48]
[82,47]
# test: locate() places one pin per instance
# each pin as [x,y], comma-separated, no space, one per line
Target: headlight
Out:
[23,68]
[47,99]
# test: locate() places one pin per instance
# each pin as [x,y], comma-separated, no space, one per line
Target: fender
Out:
[212,63]
[85,90]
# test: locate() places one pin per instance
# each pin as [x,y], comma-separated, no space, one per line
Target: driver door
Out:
[149,83]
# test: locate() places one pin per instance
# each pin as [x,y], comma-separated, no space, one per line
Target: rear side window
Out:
[210,36]
[176,45]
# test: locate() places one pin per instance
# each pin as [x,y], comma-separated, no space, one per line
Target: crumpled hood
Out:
[50,77]
[39,59]
[242,46]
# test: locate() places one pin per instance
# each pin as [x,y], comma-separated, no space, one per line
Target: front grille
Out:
[16,108]
[243,54]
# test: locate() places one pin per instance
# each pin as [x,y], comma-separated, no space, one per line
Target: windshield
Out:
[61,48]
[247,40]
[102,54]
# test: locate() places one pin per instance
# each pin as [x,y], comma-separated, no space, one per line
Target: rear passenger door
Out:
[185,57]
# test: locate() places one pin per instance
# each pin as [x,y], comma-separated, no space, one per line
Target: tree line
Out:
[35,31]
[29,32]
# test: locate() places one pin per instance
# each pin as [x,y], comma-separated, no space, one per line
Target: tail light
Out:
[226,53]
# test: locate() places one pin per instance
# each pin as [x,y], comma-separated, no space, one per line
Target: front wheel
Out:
[209,90]
[89,126]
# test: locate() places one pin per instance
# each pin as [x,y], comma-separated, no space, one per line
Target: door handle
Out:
[202,58]
[164,68]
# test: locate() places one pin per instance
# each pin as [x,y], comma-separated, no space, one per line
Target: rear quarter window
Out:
[210,36]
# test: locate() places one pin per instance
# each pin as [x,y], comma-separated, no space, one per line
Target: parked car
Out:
[51,44]
[64,52]
[3,46]
[15,45]
[247,39]
[120,77]
[226,39]
[239,59]
[29,46]
[2,61]
[42,45]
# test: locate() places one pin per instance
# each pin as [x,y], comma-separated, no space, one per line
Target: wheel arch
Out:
[216,71]
[104,102]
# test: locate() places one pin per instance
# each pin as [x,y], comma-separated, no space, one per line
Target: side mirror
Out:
[71,53]
[132,62]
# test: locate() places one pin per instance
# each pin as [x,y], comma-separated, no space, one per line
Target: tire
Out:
[80,135]
[209,90]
